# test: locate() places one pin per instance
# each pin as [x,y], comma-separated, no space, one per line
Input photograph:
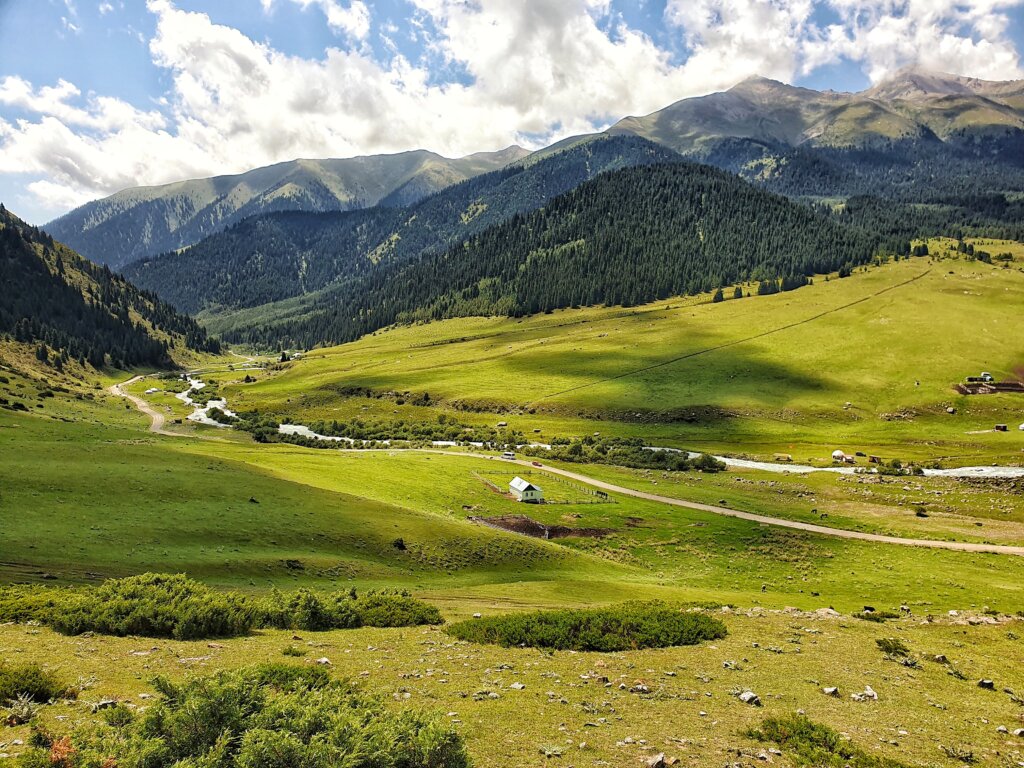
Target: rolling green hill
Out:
[70,309]
[144,221]
[757,375]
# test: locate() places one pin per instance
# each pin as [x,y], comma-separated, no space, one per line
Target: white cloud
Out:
[963,37]
[353,20]
[533,68]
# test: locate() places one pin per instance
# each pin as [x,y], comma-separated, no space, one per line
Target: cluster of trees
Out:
[623,452]
[267,715]
[73,309]
[913,169]
[174,606]
[623,238]
[625,627]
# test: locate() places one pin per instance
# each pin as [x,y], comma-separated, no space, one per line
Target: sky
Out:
[100,95]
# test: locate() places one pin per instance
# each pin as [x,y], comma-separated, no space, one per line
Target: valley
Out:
[697,439]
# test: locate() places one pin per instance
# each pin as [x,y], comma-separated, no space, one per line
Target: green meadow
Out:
[867,363]
[88,493]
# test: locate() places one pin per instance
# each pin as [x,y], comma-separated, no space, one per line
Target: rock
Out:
[751,698]
[517,686]
[656,761]
[831,691]
[477,615]
[1002,729]
[867,695]
[323,661]
[988,685]
[1019,732]
[104,704]
[940,658]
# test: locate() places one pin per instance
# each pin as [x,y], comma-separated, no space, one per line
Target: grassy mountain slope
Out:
[72,309]
[757,375]
[275,257]
[147,220]
[625,237]
[913,136]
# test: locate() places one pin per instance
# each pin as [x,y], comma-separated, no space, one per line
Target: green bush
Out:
[174,606]
[268,716]
[30,680]
[625,627]
[814,745]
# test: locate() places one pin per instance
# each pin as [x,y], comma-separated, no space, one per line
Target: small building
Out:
[525,491]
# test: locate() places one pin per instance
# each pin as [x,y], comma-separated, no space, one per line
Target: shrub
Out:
[625,627]
[159,605]
[395,609]
[876,616]
[32,681]
[264,717]
[813,744]
[892,646]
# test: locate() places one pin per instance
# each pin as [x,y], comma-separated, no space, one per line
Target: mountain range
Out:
[916,134]
[147,220]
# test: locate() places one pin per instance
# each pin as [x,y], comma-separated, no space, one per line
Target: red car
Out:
[536,464]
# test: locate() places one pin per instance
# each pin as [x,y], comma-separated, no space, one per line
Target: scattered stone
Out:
[867,695]
[517,686]
[477,615]
[1002,729]
[831,691]
[104,704]
[751,698]
[1019,732]
[988,685]
[940,658]
[323,661]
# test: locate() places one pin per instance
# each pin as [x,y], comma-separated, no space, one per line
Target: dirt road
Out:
[156,419]
[957,546]
[157,427]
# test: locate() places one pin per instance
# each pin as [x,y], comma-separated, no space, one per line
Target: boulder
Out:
[655,761]
[988,685]
[831,691]
[751,698]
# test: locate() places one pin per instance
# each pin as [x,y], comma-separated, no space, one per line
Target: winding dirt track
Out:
[957,546]
[156,419]
[156,426]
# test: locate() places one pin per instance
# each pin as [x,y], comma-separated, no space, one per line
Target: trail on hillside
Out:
[957,546]
[156,419]
[724,345]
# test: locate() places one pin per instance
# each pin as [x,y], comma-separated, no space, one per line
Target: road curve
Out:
[957,546]
[156,419]
[156,426]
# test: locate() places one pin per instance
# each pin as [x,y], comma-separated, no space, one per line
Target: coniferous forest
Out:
[71,308]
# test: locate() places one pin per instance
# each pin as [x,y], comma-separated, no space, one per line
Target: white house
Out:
[524,491]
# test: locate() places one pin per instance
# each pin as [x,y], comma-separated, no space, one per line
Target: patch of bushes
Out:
[813,744]
[267,716]
[174,606]
[619,628]
[624,452]
[892,646]
[31,681]
[878,617]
